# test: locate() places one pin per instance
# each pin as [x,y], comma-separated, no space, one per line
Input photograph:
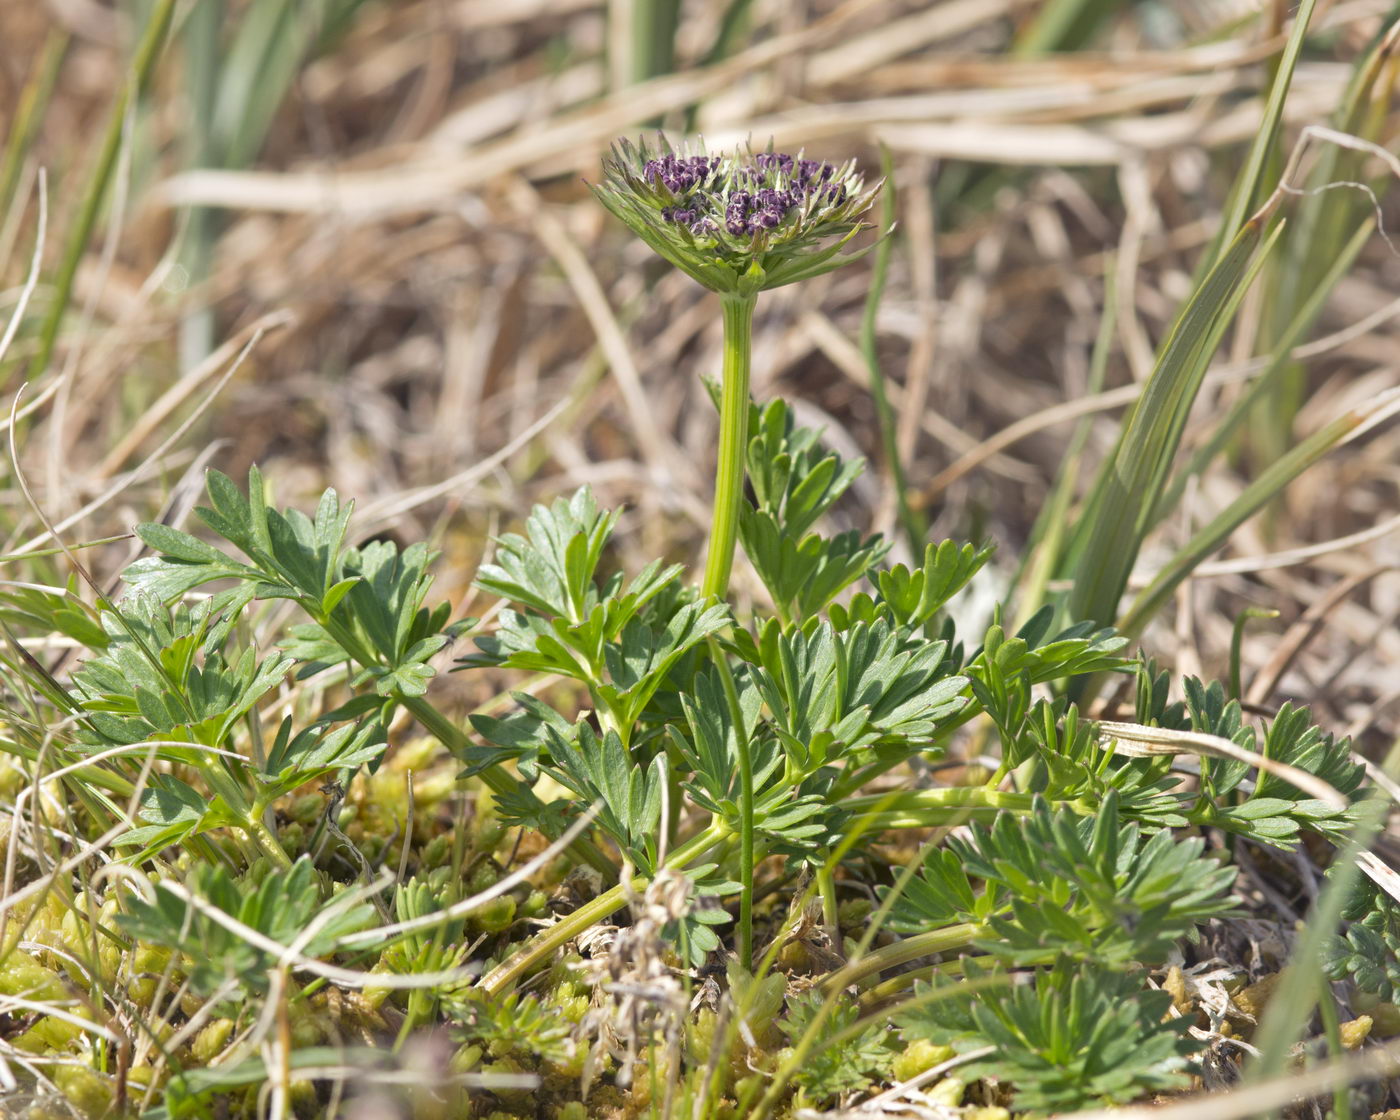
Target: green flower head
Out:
[740,222]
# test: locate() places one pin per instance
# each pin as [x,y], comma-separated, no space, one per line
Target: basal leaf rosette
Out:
[737,222]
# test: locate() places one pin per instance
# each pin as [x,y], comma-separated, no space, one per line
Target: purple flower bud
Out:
[765,219]
[767,208]
[774,161]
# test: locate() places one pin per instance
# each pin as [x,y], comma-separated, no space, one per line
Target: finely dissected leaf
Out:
[317,752]
[1057,885]
[1368,954]
[282,907]
[152,680]
[552,569]
[794,484]
[793,479]
[850,1061]
[834,694]
[915,597]
[623,650]
[367,603]
[515,1024]
[1078,767]
[601,770]
[515,736]
[1077,1036]
[796,819]
[805,575]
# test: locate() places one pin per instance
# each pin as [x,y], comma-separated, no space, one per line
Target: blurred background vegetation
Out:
[385,203]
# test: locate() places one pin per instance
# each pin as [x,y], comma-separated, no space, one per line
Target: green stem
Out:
[1236,640]
[947,805]
[1332,1030]
[451,736]
[508,972]
[815,1038]
[826,887]
[902,952]
[747,860]
[265,842]
[733,442]
[886,990]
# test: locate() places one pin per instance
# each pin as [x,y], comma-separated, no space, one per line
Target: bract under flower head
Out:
[739,222]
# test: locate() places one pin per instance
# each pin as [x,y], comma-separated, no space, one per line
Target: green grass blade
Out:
[909,518]
[1062,25]
[642,40]
[1042,554]
[1324,219]
[147,52]
[1245,194]
[1291,1005]
[29,114]
[1122,506]
[201,36]
[1262,387]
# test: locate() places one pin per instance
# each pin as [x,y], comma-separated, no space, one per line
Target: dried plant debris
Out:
[930,764]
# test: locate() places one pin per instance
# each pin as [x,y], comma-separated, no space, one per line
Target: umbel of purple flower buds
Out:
[738,222]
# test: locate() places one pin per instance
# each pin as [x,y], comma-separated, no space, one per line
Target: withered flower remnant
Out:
[741,222]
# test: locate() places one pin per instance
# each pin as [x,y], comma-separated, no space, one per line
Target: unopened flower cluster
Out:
[747,203]
[747,220]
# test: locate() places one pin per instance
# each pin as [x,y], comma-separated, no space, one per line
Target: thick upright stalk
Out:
[733,442]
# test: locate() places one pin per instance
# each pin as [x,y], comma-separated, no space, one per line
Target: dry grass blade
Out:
[159,412]
[659,455]
[31,281]
[1305,630]
[1137,740]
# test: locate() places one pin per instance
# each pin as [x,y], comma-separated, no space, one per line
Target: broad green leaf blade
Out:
[1122,507]
[1268,379]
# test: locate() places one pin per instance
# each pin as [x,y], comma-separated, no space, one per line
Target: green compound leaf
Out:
[841,1061]
[795,483]
[282,907]
[366,603]
[552,568]
[872,688]
[1055,885]
[1077,1036]
[1368,953]
[601,770]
